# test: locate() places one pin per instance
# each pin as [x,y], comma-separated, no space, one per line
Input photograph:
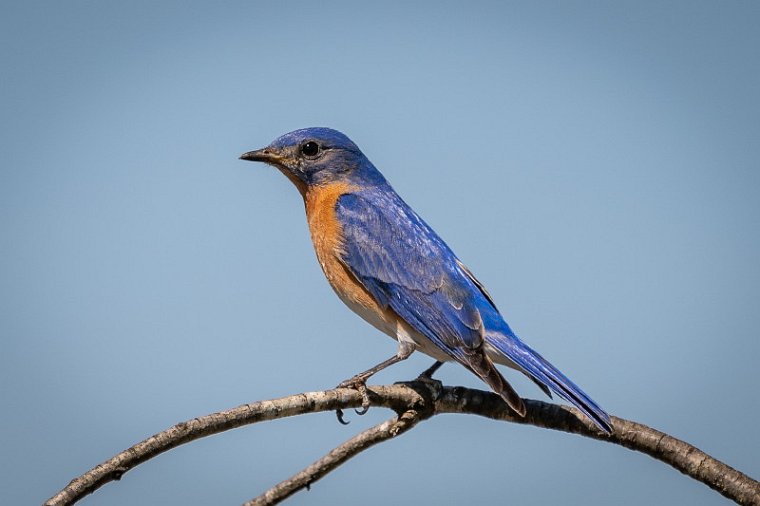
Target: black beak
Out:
[266,155]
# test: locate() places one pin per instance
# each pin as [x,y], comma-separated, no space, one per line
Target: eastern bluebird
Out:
[391,268]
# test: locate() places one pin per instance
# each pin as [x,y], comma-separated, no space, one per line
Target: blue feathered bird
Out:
[391,268]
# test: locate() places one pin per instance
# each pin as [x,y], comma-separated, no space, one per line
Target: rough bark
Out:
[414,402]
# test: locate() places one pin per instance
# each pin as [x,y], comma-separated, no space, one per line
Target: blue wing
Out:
[406,266]
[403,263]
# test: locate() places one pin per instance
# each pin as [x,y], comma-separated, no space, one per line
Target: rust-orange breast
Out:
[327,236]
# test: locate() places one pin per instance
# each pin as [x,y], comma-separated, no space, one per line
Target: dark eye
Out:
[310,149]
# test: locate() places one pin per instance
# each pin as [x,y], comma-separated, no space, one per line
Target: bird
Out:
[389,266]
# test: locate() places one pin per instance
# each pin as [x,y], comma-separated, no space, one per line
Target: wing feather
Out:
[408,268]
[404,264]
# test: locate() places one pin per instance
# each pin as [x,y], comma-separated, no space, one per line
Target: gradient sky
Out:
[595,164]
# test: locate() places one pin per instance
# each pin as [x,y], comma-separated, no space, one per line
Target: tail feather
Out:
[477,361]
[543,387]
[541,371]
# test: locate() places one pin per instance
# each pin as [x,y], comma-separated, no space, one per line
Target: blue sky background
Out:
[595,164]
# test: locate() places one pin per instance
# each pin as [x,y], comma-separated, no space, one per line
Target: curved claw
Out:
[339,414]
[365,399]
[356,383]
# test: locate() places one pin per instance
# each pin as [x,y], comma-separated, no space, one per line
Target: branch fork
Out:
[413,402]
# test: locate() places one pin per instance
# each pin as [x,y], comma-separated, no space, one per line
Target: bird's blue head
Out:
[317,156]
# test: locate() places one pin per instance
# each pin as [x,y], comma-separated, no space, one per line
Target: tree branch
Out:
[337,456]
[417,401]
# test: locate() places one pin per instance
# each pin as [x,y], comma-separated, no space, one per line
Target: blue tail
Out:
[543,372]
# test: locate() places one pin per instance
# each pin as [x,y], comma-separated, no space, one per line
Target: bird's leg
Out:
[426,377]
[427,374]
[359,382]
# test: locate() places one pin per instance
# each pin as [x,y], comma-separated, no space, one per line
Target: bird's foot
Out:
[426,377]
[433,385]
[358,383]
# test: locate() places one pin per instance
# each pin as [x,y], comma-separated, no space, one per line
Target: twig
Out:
[422,398]
[398,398]
[337,456]
[684,457]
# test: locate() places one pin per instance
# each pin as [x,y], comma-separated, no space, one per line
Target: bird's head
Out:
[315,157]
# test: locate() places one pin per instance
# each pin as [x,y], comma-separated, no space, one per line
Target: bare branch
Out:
[357,444]
[684,457]
[398,398]
[425,400]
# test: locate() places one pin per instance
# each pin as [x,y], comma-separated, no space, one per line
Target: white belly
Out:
[389,323]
